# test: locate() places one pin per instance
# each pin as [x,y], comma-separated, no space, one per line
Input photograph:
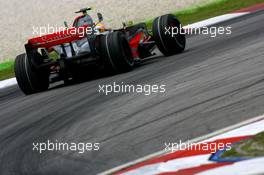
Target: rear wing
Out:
[58,38]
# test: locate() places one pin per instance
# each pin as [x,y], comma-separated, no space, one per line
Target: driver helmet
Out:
[100,27]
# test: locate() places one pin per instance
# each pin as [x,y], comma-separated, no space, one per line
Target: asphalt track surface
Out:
[217,82]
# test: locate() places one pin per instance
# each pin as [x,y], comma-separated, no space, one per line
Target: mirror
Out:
[124,24]
[66,24]
[100,17]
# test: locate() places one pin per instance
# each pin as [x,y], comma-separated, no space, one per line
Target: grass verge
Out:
[253,147]
[215,8]
[186,16]
[7,70]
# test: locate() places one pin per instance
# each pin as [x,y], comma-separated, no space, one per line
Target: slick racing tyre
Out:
[167,43]
[30,81]
[116,53]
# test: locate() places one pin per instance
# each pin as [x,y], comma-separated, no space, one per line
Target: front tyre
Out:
[116,53]
[30,81]
[162,33]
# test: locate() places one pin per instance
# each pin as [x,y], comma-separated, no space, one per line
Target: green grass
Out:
[253,147]
[6,70]
[186,16]
[205,11]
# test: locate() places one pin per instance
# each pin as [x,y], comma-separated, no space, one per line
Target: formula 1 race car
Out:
[91,47]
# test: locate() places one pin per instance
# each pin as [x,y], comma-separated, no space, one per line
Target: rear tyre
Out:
[30,81]
[116,53]
[168,44]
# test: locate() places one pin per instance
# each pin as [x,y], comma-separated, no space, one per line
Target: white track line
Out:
[215,20]
[7,83]
[207,137]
